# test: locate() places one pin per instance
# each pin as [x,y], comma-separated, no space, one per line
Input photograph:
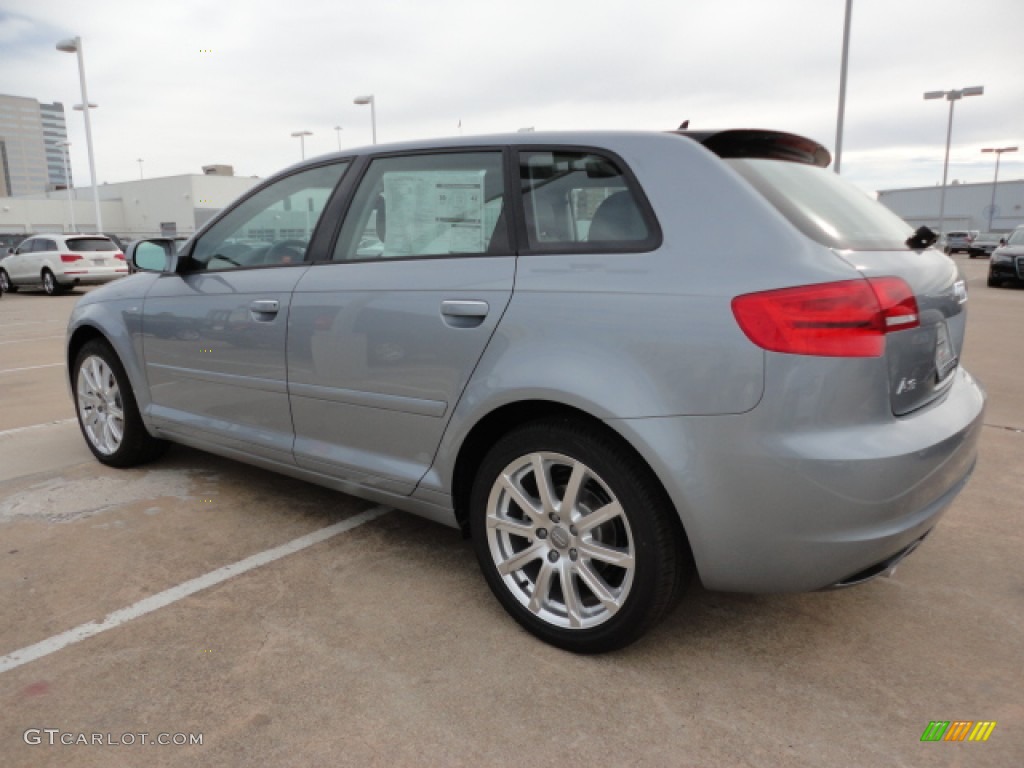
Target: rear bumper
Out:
[93,278]
[785,511]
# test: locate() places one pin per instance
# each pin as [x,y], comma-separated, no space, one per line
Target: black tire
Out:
[5,283]
[536,549]
[994,282]
[50,284]
[117,442]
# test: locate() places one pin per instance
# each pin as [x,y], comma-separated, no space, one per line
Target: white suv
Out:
[60,262]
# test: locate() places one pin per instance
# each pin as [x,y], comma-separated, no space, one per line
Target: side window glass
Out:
[274,226]
[46,245]
[577,197]
[426,205]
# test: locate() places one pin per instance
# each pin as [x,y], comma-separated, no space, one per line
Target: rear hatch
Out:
[790,172]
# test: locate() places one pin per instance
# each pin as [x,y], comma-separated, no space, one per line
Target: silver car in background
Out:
[543,340]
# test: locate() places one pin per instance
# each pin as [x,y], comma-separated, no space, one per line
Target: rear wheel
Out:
[575,536]
[107,411]
[50,284]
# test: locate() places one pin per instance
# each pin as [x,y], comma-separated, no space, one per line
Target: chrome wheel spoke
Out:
[510,526]
[570,498]
[571,596]
[522,558]
[605,514]
[611,555]
[542,588]
[521,500]
[544,488]
[597,585]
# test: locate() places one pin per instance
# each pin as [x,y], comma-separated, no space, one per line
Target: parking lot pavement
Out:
[380,645]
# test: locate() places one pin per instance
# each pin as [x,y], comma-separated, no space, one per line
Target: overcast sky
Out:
[184,83]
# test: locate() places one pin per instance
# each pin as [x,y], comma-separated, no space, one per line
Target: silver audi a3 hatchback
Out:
[545,341]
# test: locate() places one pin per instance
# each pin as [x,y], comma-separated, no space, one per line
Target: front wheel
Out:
[994,282]
[5,282]
[107,411]
[575,536]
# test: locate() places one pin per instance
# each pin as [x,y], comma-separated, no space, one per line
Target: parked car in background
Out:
[543,340]
[1007,264]
[959,240]
[984,244]
[59,262]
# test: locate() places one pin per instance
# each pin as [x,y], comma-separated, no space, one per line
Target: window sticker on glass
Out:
[434,212]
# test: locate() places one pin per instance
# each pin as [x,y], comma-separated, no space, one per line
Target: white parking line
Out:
[16,430]
[37,338]
[172,595]
[32,368]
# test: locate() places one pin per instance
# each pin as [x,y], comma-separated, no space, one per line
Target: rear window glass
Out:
[91,244]
[824,207]
[575,200]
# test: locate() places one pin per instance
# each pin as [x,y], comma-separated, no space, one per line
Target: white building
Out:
[968,206]
[172,205]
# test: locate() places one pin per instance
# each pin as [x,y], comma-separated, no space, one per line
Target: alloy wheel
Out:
[560,540]
[100,406]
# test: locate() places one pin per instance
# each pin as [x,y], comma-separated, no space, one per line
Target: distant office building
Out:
[55,130]
[26,134]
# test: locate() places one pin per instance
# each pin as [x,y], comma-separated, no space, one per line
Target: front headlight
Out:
[1001,258]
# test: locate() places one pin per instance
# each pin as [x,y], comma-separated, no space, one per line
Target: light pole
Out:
[74,45]
[995,181]
[302,140]
[952,97]
[369,99]
[337,129]
[140,168]
[842,86]
[67,180]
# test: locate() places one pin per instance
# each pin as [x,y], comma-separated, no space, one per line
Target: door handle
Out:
[464,308]
[265,306]
[264,310]
[464,314]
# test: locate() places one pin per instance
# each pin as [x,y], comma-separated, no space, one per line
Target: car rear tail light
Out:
[843,319]
[119,256]
[67,258]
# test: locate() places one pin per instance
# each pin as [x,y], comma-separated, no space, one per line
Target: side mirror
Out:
[156,255]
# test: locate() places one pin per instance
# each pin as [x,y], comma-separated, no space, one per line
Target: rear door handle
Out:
[464,314]
[464,308]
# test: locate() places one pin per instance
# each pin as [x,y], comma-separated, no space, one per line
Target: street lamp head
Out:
[302,133]
[69,46]
[974,90]
[368,99]
[934,94]
[80,108]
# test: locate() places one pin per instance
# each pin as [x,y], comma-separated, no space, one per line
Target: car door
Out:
[14,264]
[384,337]
[214,333]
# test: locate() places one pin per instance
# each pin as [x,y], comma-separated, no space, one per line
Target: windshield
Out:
[1017,238]
[824,207]
[91,244]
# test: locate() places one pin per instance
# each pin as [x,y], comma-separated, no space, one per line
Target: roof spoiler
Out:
[768,145]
